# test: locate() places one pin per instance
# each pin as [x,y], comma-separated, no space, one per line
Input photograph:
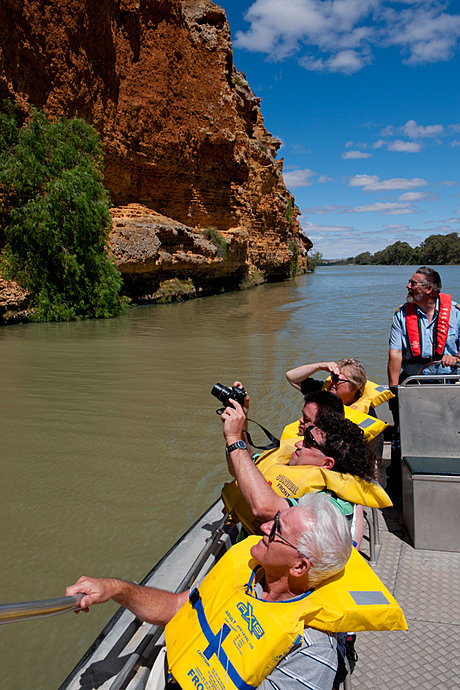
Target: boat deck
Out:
[427,586]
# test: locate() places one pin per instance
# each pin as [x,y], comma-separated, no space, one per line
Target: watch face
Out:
[237,444]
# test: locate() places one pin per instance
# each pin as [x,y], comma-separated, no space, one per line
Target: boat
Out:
[130,654]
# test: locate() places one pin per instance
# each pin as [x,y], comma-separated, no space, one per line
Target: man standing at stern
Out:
[426,329]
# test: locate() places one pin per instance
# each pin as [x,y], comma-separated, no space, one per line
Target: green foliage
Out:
[435,249]
[313,260]
[54,217]
[294,264]
[213,235]
[289,211]
[174,290]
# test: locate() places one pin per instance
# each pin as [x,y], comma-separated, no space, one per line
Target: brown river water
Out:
[110,446]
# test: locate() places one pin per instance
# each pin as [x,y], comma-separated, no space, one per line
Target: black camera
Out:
[224,394]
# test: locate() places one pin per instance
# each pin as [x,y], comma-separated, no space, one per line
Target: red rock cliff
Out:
[185,145]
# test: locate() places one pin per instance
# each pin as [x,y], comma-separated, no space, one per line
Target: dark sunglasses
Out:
[309,441]
[413,283]
[275,531]
[335,378]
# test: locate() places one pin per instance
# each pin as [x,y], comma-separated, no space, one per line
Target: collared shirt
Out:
[400,341]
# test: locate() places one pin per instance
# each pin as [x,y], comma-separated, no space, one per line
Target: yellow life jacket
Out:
[373,395]
[293,481]
[225,638]
[371,426]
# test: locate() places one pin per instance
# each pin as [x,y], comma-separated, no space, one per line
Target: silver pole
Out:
[27,610]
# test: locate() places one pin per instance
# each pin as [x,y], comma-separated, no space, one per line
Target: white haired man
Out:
[248,622]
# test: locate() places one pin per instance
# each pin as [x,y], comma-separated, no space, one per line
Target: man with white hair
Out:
[299,548]
[248,623]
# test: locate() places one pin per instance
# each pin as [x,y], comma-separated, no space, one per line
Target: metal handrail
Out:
[43,608]
[436,364]
[148,643]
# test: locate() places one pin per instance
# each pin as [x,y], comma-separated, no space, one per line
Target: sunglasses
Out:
[275,532]
[335,378]
[309,441]
[413,283]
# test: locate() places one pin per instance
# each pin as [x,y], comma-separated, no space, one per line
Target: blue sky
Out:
[364,95]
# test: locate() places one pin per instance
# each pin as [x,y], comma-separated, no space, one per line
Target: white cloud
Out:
[322,179]
[388,131]
[454,143]
[372,183]
[413,196]
[355,154]
[404,146]
[424,31]
[388,208]
[414,131]
[340,35]
[398,145]
[320,210]
[298,178]
[348,144]
[308,227]
[363,180]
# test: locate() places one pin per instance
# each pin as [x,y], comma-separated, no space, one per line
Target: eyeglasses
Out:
[309,441]
[275,532]
[413,283]
[335,378]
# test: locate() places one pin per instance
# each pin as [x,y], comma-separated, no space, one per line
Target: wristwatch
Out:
[239,444]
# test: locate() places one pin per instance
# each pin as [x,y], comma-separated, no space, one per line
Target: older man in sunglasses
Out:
[300,548]
[425,329]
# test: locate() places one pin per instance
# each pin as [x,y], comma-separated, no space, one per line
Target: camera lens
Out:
[221,392]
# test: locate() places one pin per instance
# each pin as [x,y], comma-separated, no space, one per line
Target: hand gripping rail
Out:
[27,610]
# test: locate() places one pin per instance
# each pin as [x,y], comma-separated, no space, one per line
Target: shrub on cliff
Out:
[54,218]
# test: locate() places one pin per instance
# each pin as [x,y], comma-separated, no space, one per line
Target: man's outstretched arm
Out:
[155,606]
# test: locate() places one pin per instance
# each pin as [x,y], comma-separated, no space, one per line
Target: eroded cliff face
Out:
[187,157]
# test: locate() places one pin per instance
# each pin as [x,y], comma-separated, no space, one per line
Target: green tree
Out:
[54,217]
[313,260]
[440,249]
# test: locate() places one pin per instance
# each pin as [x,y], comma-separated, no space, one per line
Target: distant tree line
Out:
[435,249]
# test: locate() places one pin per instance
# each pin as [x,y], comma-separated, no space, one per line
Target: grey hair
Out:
[355,371]
[432,277]
[326,539]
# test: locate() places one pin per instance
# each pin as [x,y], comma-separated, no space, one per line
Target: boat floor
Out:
[427,586]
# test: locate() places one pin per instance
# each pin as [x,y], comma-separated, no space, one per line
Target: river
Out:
[110,445]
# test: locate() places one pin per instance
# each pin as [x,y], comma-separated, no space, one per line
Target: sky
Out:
[364,96]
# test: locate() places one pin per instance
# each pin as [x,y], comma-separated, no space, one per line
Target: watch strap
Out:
[240,445]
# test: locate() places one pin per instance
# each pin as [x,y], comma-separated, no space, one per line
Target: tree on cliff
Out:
[54,218]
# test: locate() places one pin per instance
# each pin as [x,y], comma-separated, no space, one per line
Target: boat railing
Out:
[427,379]
[147,645]
[43,608]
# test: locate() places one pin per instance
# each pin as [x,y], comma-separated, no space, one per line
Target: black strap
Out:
[275,442]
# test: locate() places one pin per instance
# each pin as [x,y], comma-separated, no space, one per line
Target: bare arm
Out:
[394,366]
[147,603]
[262,500]
[299,374]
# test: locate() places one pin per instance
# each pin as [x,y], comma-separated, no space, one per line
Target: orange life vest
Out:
[441,329]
